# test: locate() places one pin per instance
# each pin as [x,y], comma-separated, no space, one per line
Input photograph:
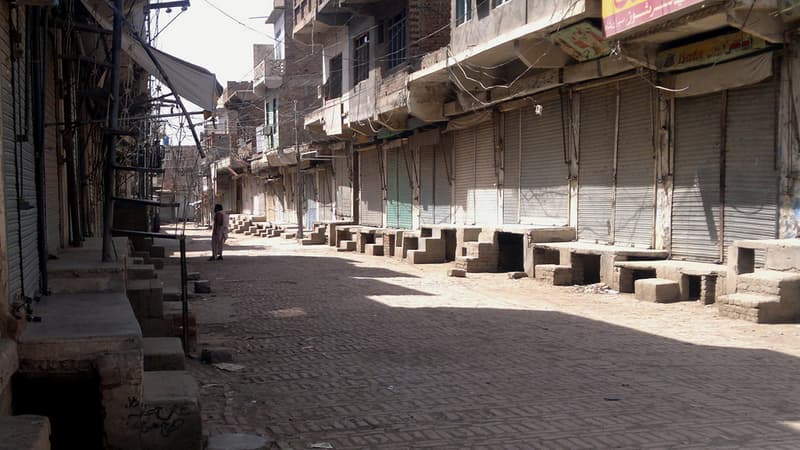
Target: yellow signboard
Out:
[623,15]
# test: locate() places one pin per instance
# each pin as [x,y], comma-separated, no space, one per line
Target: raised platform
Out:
[94,333]
[697,281]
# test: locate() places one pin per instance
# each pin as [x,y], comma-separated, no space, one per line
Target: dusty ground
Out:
[365,352]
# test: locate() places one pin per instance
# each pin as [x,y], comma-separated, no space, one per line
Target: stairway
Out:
[431,251]
[316,237]
[480,255]
[764,296]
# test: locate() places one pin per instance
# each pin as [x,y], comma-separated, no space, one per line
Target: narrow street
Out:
[364,352]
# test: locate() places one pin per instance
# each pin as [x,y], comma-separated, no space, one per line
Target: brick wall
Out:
[426,17]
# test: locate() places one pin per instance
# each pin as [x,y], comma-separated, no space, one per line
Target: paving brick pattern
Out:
[367,352]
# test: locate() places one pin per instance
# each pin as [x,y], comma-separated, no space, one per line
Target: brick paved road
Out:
[364,352]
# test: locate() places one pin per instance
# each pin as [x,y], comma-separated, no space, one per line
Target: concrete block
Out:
[658,290]
[193,276]
[517,275]
[554,274]
[171,416]
[347,246]
[158,263]
[141,272]
[146,298]
[24,433]
[157,251]
[374,249]
[163,353]
[202,287]
[458,273]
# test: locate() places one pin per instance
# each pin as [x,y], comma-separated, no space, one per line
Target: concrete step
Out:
[171,324]
[171,416]
[783,284]
[141,272]
[658,290]
[374,249]
[347,246]
[146,298]
[759,308]
[554,274]
[431,251]
[24,433]
[163,353]
[157,251]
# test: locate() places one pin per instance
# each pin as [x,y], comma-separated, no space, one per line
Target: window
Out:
[360,58]
[397,40]
[274,139]
[463,11]
[333,89]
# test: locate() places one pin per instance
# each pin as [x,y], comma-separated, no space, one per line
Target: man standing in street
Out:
[219,233]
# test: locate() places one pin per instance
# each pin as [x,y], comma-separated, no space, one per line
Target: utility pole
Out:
[111,133]
[298,184]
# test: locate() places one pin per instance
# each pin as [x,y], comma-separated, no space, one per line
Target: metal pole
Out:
[184,298]
[111,138]
[298,194]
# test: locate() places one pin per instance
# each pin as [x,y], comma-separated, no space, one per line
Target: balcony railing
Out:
[268,74]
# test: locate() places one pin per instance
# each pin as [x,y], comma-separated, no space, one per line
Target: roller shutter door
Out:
[443,182]
[635,190]
[21,226]
[598,110]
[325,189]
[485,196]
[398,189]
[544,188]
[310,193]
[343,170]
[751,190]
[371,189]
[427,184]
[512,127]
[465,176]
[696,195]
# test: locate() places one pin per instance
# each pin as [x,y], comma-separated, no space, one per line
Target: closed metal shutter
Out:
[279,200]
[427,184]
[751,188]
[270,198]
[55,209]
[310,193]
[465,176]
[371,189]
[343,168]
[598,112]
[635,191]
[259,198]
[392,218]
[325,189]
[512,127]
[17,221]
[485,197]
[544,187]
[696,196]
[443,177]
[399,211]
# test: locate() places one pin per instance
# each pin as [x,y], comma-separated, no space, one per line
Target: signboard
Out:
[710,51]
[623,15]
[582,41]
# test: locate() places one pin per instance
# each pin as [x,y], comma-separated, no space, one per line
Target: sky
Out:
[206,37]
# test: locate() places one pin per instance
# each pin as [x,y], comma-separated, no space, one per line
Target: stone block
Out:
[216,355]
[163,353]
[146,298]
[658,290]
[171,412]
[458,273]
[26,432]
[517,275]
[347,246]
[141,272]
[157,251]
[158,263]
[202,287]
[193,276]
[554,274]
[374,249]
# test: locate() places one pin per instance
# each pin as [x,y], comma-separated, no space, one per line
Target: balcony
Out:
[268,74]
[314,18]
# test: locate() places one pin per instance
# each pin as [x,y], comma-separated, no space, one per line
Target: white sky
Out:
[205,37]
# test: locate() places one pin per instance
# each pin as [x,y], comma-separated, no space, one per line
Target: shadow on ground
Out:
[325,362]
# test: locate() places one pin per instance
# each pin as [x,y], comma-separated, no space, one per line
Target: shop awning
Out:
[190,82]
